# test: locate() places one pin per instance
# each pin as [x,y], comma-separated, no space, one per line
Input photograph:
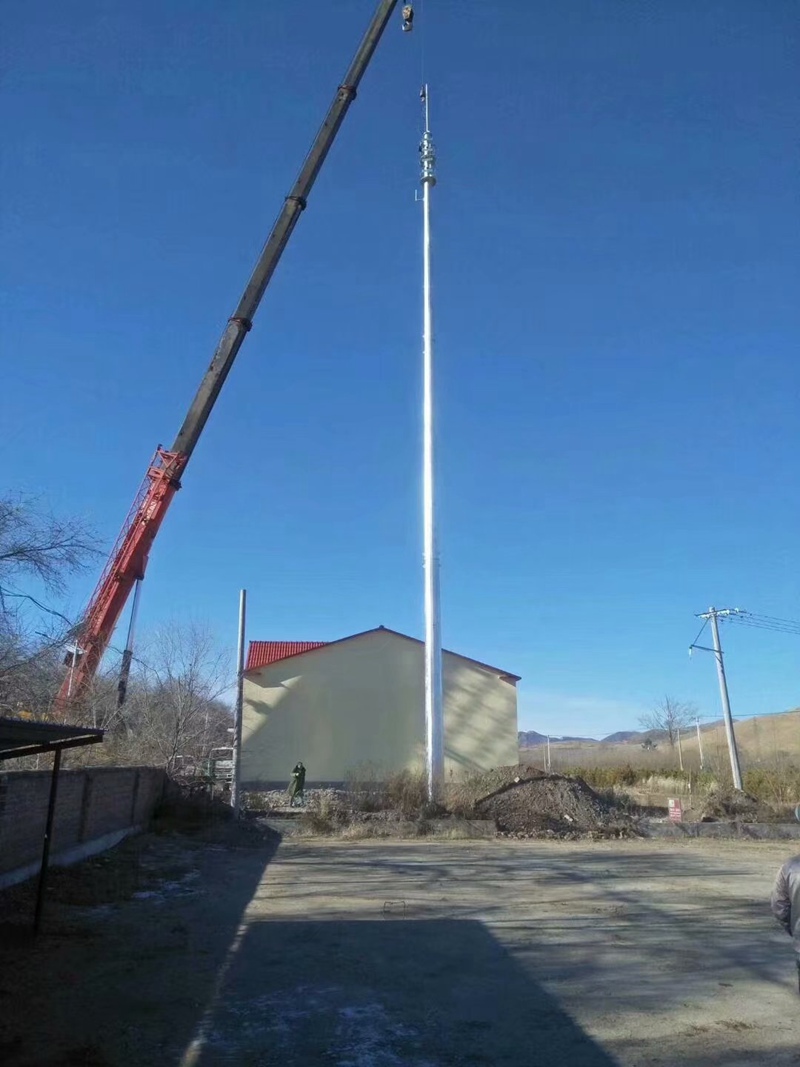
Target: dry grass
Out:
[775,782]
[761,742]
[325,814]
[396,805]
[769,751]
[357,811]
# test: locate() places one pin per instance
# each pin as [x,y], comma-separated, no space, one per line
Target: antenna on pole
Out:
[434,715]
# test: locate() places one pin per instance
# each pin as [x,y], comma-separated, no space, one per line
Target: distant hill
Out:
[623,737]
[530,738]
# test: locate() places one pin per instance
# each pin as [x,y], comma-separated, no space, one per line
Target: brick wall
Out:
[91,803]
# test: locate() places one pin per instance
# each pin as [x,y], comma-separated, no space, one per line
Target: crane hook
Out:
[408,18]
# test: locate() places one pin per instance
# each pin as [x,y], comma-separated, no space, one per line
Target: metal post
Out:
[48,835]
[434,717]
[726,704]
[237,722]
[700,743]
[72,664]
[680,749]
[127,655]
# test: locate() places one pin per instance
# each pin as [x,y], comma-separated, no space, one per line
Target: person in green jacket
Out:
[298,783]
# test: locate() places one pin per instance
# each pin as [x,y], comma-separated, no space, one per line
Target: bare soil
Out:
[214,949]
[551,805]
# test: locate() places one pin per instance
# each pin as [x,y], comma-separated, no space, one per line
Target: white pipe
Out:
[434,717]
[237,722]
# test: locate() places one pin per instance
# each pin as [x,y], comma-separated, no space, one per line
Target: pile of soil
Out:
[730,804]
[492,781]
[552,805]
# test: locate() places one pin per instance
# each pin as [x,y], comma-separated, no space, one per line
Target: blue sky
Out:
[616,274]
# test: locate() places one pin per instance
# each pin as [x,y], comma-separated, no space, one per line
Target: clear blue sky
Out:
[616,267]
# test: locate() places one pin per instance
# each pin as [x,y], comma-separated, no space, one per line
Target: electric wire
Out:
[766,622]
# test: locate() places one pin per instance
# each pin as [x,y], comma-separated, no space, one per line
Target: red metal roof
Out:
[262,653]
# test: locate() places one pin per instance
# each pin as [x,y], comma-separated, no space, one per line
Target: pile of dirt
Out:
[462,795]
[552,805]
[724,804]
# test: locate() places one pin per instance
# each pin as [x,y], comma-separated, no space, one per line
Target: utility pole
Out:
[713,615]
[548,754]
[237,722]
[680,750]
[700,743]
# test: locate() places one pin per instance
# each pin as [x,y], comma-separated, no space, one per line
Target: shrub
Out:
[365,787]
[324,814]
[407,792]
[777,784]
[368,790]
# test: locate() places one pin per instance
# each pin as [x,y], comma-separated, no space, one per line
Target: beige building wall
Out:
[361,701]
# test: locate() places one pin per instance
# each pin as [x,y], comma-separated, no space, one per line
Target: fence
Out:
[96,808]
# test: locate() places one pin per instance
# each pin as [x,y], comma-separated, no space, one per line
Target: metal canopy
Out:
[18,737]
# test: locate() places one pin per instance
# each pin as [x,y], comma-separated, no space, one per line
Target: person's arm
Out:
[781,902]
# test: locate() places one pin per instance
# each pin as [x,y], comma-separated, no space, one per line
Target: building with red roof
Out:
[359,701]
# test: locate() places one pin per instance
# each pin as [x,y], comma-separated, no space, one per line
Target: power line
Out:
[765,622]
[770,618]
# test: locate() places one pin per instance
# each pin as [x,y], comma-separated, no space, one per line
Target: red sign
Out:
[675,809]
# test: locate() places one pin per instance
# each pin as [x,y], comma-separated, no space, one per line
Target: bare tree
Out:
[39,552]
[175,703]
[35,544]
[668,716]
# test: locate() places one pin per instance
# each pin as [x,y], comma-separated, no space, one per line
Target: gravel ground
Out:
[424,954]
[277,800]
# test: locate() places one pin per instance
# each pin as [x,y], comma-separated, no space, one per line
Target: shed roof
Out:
[263,653]
[21,737]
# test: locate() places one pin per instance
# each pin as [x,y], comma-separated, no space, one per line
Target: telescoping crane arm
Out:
[129,556]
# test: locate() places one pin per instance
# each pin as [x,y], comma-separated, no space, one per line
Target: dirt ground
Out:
[188,952]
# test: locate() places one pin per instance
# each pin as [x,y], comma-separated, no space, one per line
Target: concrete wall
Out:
[93,805]
[362,701]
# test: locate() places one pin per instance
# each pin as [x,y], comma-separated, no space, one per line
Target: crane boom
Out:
[128,559]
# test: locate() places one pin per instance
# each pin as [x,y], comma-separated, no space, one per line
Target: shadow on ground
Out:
[390,992]
[130,952]
[594,913]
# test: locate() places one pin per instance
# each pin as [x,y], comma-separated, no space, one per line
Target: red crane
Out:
[128,560]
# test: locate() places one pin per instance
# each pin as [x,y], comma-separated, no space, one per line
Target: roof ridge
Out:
[280,650]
